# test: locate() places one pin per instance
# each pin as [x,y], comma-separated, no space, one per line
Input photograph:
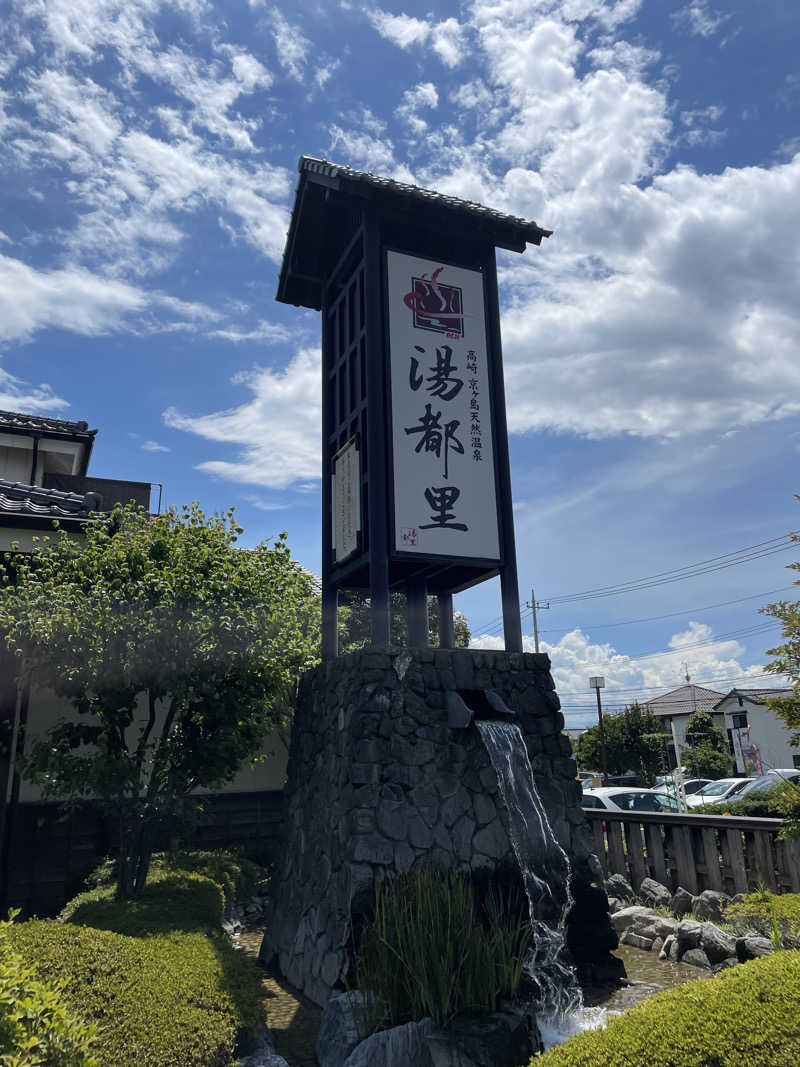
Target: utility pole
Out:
[597,683]
[533,606]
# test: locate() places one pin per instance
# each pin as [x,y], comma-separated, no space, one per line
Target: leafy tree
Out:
[705,750]
[176,650]
[634,742]
[354,622]
[787,662]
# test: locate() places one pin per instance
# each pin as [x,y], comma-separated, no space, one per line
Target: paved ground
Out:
[292,1019]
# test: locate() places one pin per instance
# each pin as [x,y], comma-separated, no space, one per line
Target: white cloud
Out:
[446,38]
[154,446]
[364,144]
[716,664]
[69,299]
[277,430]
[700,19]
[421,96]
[17,395]
[292,47]
[268,332]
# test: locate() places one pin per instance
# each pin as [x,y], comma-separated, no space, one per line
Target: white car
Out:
[620,798]
[771,779]
[717,792]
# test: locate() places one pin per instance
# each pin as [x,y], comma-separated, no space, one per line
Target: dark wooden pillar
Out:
[378,515]
[417,614]
[447,632]
[509,585]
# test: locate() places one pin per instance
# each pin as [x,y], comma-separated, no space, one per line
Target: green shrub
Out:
[774,915]
[163,983]
[773,803]
[746,1015]
[36,1027]
[236,875]
[433,951]
[170,901]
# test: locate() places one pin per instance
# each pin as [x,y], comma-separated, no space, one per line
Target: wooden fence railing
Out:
[727,853]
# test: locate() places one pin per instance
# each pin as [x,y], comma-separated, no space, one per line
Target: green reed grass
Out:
[433,950]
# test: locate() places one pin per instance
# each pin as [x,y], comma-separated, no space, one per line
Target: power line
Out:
[761,550]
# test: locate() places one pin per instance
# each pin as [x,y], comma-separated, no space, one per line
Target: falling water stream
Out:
[545,873]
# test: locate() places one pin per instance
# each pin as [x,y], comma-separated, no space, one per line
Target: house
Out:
[676,709]
[759,740]
[44,477]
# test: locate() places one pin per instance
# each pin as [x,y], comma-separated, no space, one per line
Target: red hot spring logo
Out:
[435,305]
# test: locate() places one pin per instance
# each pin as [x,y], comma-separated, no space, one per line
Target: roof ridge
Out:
[25,420]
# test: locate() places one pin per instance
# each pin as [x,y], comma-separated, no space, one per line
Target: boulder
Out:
[709,905]
[687,934]
[338,1031]
[716,944]
[665,926]
[630,937]
[617,886]
[614,904]
[402,1046]
[657,946]
[751,946]
[625,917]
[697,958]
[681,903]
[666,948]
[483,1041]
[654,893]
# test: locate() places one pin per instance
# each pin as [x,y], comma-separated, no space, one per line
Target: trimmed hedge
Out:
[157,975]
[749,1015]
[36,1028]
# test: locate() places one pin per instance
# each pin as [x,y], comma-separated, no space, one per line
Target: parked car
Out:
[589,776]
[668,779]
[617,798]
[691,785]
[717,792]
[770,779]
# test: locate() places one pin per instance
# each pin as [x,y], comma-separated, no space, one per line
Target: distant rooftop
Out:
[683,701]
[16,498]
[316,221]
[759,696]
[21,423]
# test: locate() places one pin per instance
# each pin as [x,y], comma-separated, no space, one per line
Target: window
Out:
[796,761]
[591,802]
[739,720]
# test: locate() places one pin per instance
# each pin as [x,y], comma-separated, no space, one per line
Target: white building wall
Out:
[767,733]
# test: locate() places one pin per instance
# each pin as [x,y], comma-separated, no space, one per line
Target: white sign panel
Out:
[444,489]
[346,501]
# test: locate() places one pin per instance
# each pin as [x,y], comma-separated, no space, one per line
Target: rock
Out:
[716,944]
[625,917]
[687,934]
[636,940]
[654,894]
[402,1046]
[665,927]
[674,951]
[614,904]
[724,965]
[338,1031]
[681,903]
[710,905]
[483,1041]
[617,886]
[751,946]
[491,840]
[697,958]
[669,941]
[657,946]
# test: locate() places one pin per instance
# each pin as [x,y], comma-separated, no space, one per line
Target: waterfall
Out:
[544,866]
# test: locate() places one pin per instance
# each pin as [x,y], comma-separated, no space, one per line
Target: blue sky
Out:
[651,345]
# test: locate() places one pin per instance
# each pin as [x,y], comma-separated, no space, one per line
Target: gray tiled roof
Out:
[16,498]
[757,695]
[684,700]
[15,420]
[530,230]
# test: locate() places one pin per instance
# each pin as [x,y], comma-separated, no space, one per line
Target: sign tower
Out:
[416,490]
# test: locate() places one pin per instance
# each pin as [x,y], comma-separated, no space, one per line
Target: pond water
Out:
[646,975]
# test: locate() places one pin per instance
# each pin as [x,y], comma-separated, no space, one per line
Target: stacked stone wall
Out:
[378,781]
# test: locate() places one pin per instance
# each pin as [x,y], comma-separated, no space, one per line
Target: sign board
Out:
[442,456]
[346,501]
